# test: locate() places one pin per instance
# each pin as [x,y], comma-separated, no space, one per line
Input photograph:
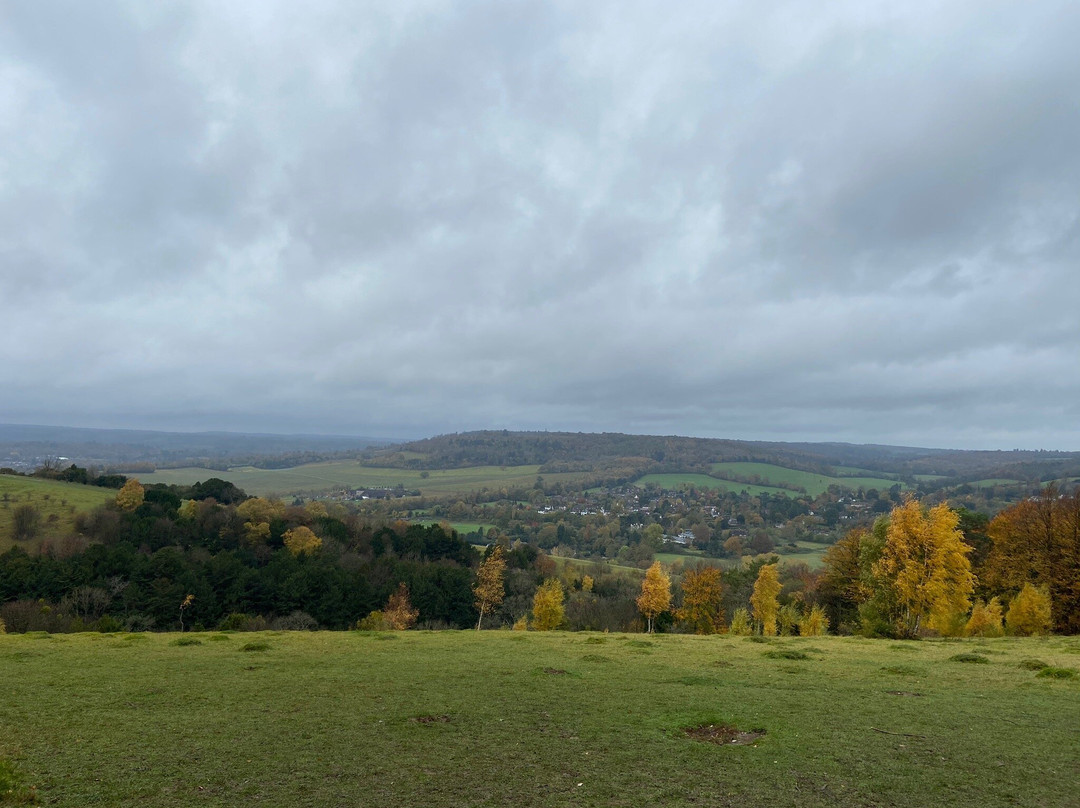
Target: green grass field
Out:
[991,482]
[57,502]
[814,484]
[677,480]
[528,719]
[321,477]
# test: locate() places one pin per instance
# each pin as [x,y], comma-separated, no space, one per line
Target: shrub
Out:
[237,621]
[296,621]
[108,624]
[376,621]
[1029,612]
[522,623]
[740,623]
[26,519]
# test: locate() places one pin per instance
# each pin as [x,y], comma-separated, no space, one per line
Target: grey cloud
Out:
[853,222]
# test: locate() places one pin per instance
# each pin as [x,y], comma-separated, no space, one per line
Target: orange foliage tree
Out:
[655,595]
[399,612]
[1038,542]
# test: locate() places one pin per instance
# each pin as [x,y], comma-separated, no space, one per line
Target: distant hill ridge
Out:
[575,451]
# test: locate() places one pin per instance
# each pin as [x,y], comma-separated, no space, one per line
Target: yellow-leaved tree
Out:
[985,620]
[814,623]
[130,496]
[488,589]
[1029,612]
[703,600]
[764,600]
[301,541]
[258,513]
[399,612]
[547,609]
[655,597]
[925,564]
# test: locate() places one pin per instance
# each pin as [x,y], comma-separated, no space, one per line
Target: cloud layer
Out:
[780,221]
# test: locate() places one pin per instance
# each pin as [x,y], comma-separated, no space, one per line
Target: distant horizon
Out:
[399,440]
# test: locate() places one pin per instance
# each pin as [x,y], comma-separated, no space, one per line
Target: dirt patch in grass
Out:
[555,671]
[431,719]
[723,734]
[910,693]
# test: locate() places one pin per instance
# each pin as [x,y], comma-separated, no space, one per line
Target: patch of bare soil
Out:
[555,671]
[722,734]
[432,719]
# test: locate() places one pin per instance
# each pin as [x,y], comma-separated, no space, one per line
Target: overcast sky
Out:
[807,221]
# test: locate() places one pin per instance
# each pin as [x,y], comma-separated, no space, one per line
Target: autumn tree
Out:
[763,601]
[985,620]
[703,600]
[130,496]
[740,623]
[489,588]
[547,608]
[301,541]
[1029,612]
[655,595]
[258,513]
[924,563]
[1038,542]
[814,623]
[399,612]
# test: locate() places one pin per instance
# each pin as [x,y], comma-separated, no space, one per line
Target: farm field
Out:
[322,477]
[57,502]
[676,480]
[537,719]
[992,481]
[814,484]
[808,553]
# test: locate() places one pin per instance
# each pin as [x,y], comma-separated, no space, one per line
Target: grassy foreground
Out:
[501,718]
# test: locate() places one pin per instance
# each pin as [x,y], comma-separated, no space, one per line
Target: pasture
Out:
[676,480]
[537,719]
[56,502]
[316,478]
[814,484]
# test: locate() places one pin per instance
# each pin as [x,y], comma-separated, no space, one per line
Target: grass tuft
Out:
[977,659]
[1057,673]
